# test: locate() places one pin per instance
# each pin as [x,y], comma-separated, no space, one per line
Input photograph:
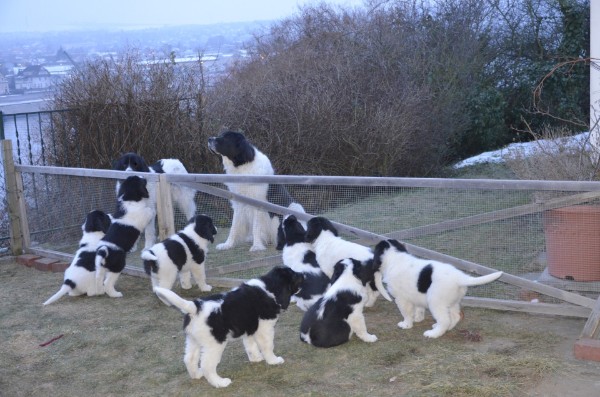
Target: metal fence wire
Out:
[508,229]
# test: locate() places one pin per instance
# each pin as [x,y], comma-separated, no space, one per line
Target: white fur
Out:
[168,271]
[137,214]
[182,196]
[292,257]
[401,272]
[85,281]
[250,224]
[203,352]
[330,249]
[347,281]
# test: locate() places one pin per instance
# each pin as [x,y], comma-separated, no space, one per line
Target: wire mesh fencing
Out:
[519,227]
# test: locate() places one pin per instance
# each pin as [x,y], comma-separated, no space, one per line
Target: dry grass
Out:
[134,346]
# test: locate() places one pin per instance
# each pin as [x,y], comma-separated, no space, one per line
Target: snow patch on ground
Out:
[524,149]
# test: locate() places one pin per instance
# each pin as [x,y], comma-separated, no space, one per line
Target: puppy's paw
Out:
[405,325]
[255,357]
[220,382]
[185,285]
[114,294]
[224,246]
[257,247]
[205,288]
[197,374]
[276,361]
[369,338]
[433,333]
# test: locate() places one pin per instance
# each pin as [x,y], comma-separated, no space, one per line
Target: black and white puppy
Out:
[131,217]
[298,255]
[330,249]
[249,311]
[333,319]
[183,197]
[80,276]
[250,224]
[183,253]
[417,284]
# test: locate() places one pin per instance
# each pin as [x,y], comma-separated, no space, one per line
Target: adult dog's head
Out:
[283,282]
[133,189]
[96,221]
[318,225]
[233,146]
[290,232]
[204,227]
[131,162]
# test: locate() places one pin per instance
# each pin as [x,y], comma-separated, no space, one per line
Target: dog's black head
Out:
[383,246]
[204,227]
[133,189]
[316,225]
[283,282]
[131,162]
[96,221]
[234,146]
[290,232]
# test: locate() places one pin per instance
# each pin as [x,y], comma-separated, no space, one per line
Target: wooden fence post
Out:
[164,208]
[19,231]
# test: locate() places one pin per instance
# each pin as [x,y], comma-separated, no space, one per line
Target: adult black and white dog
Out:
[330,249]
[333,319]
[297,254]
[130,218]
[417,284]
[80,276]
[183,254]
[250,224]
[249,311]
[182,196]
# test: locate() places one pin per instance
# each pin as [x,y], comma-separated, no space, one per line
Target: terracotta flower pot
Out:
[573,242]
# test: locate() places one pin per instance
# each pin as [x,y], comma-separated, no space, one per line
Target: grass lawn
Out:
[134,346]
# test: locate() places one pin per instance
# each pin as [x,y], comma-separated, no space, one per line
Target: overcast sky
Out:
[45,15]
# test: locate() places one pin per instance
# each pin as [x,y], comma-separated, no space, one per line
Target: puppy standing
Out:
[418,283]
[298,255]
[333,319]
[80,277]
[182,196]
[131,217]
[330,249]
[183,253]
[249,311]
[249,224]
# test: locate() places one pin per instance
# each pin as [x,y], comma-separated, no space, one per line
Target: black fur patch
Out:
[242,307]
[96,221]
[87,261]
[176,252]
[234,146]
[195,250]
[70,283]
[205,228]
[333,329]
[131,160]
[424,281]
[316,225]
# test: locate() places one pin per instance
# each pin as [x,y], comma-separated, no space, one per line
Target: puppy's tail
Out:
[172,299]
[469,281]
[149,261]
[101,255]
[67,287]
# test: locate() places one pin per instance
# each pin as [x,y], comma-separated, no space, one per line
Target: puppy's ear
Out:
[280,237]
[338,269]
[378,251]
[363,271]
